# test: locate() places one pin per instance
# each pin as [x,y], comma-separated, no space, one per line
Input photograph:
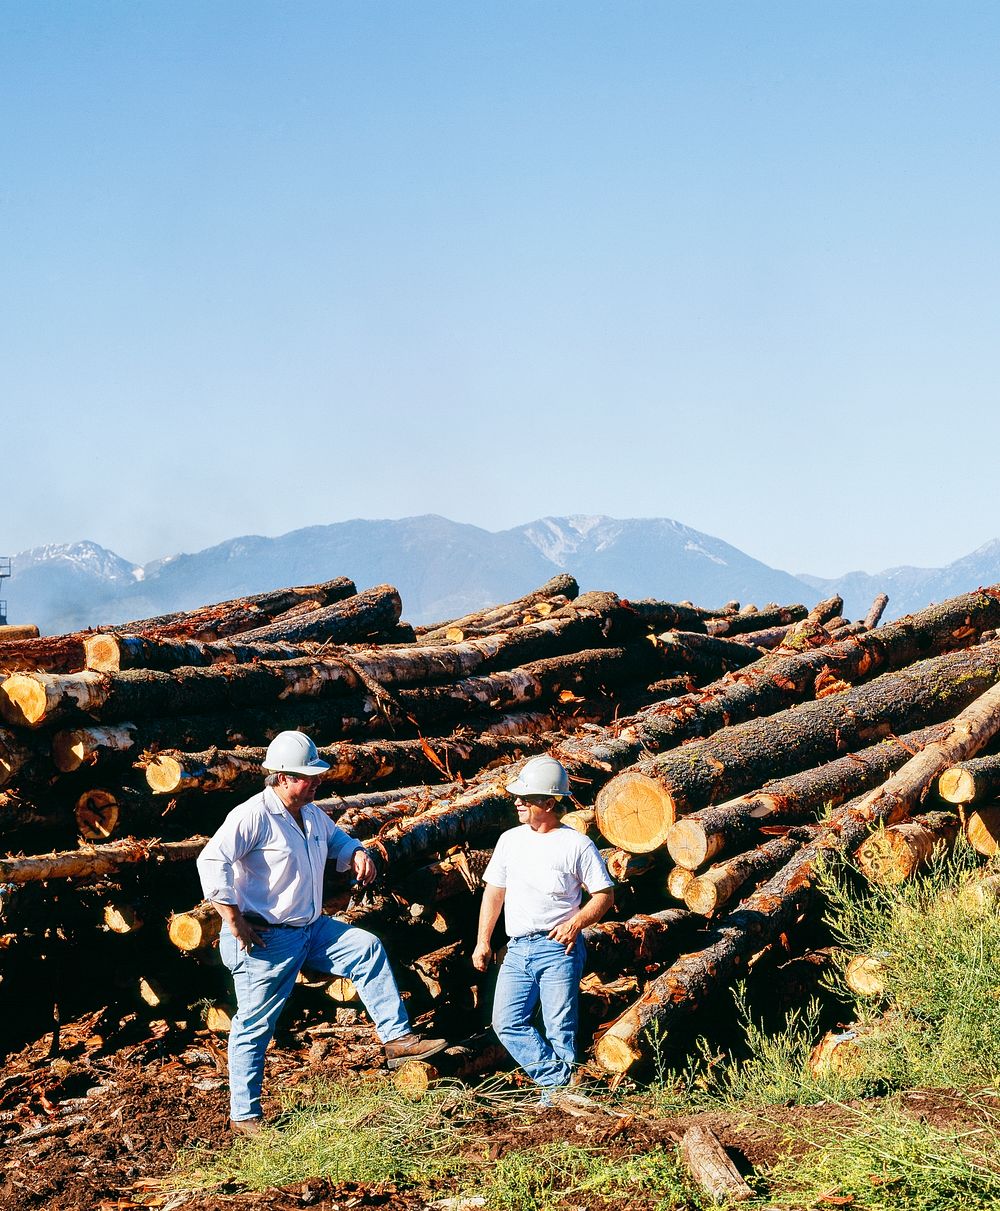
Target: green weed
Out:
[883,1159]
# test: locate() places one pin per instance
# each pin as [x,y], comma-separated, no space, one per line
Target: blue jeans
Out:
[538,972]
[263,980]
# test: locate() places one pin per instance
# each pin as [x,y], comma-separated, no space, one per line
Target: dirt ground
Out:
[94,1127]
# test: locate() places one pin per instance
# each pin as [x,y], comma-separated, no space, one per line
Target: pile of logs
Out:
[714,755]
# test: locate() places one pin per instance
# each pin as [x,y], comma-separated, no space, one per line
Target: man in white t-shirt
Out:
[537,876]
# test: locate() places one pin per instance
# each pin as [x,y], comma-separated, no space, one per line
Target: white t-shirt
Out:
[544,875]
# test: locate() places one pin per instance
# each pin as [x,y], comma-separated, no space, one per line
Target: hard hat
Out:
[540,776]
[293,753]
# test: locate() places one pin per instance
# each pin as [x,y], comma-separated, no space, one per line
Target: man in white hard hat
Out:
[537,875]
[263,871]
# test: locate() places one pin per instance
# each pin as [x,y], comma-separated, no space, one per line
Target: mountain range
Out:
[444,568]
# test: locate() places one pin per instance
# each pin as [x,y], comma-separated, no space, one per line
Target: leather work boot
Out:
[412,1047]
[246,1126]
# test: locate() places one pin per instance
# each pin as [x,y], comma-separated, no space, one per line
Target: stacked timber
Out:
[702,746]
[123,748]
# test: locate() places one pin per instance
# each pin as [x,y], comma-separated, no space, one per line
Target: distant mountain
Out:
[441,568]
[911,589]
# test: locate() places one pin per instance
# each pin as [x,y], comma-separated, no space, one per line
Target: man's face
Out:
[297,791]
[534,810]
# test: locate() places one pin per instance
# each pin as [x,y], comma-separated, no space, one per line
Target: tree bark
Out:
[711,1166]
[776,906]
[366,614]
[91,861]
[17,631]
[48,654]
[614,946]
[636,809]
[697,838]
[239,614]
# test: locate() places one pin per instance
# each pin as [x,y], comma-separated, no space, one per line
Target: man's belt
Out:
[253,919]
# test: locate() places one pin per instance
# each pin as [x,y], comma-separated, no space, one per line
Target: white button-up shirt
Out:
[261,861]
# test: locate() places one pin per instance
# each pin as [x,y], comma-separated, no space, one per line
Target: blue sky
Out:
[269,265]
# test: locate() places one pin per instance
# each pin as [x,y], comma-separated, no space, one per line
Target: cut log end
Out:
[957,785]
[690,846]
[701,896]
[164,774]
[68,751]
[102,652]
[865,976]
[982,830]
[194,930]
[678,881]
[97,814]
[22,700]
[414,1078]
[614,1054]
[635,813]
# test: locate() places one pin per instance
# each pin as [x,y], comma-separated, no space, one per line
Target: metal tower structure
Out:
[4,573]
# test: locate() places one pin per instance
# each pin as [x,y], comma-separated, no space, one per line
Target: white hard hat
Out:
[540,776]
[294,753]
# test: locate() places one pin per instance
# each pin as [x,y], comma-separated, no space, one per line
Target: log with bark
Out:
[239,614]
[456,874]
[697,838]
[712,889]
[561,585]
[776,906]
[473,1057]
[776,681]
[367,614]
[350,764]
[110,653]
[636,808]
[743,623]
[90,861]
[640,941]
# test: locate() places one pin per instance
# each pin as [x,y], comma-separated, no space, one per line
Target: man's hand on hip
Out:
[566,933]
[240,927]
[363,867]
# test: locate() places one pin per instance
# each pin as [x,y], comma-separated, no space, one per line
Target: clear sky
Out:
[268,265]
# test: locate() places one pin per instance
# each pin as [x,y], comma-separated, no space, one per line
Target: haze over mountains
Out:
[444,568]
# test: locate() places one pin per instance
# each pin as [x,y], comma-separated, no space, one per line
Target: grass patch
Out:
[561,1175]
[364,1133]
[884,1159]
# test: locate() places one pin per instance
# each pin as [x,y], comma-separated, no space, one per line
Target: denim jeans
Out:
[537,972]
[263,980]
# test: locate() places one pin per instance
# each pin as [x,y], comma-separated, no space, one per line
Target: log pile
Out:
[702,745]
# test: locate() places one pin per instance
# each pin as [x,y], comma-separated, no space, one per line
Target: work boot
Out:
[412,1047]
[246,1126]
